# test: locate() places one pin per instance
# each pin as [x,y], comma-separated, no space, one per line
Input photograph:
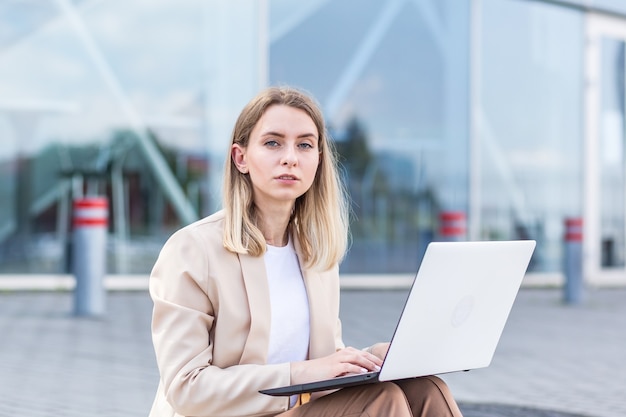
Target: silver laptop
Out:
[454,314]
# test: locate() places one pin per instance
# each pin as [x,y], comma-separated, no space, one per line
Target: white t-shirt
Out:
[289,334]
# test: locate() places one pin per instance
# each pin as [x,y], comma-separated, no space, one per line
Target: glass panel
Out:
[612,159]
[530,117]
[393,85]
[114,98]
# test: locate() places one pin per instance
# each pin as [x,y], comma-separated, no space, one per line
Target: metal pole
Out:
[90,222]
[572,261]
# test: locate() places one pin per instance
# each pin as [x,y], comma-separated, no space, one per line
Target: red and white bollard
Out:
[452,226]
[90,222]
[573,260]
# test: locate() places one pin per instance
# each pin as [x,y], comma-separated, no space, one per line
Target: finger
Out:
[352,369]
[373,358]
[373,361]
[362,359]
[373,366]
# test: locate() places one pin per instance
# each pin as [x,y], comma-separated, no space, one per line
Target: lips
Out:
[287,177]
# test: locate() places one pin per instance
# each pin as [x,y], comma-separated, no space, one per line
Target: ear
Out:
[238,155]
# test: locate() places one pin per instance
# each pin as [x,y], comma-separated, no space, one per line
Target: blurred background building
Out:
[507,116]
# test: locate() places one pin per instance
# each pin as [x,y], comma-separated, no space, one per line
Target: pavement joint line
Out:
[139,282]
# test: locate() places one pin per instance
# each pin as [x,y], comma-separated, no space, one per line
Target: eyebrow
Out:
[282,135]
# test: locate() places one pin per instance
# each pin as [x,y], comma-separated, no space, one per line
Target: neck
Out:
[278,240]
[274,226]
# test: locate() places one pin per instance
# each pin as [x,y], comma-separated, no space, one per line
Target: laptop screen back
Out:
[457,307]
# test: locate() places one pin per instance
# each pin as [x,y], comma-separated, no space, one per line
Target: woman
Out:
[248,298]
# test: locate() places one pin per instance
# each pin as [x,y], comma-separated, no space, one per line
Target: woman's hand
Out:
[343,362]
[379,350]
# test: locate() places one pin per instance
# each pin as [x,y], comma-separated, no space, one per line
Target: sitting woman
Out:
[248,298]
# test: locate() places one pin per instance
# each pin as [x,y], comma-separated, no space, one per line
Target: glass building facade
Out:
[481,110]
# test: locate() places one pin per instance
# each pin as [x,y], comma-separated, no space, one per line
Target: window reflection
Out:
[531,130]
[391,78]
[95,101]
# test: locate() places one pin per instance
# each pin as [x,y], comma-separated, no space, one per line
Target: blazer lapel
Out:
[321,339]
[257,290]
[320,344]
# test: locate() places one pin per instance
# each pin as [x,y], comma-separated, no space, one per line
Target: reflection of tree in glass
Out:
[353,149]
[393,216]
[358,164]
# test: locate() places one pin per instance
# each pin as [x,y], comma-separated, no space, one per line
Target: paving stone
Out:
[553,360]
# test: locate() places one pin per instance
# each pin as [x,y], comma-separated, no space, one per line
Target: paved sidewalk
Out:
[551,356]
[552,359]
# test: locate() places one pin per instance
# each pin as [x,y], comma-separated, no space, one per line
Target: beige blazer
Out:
[211,326]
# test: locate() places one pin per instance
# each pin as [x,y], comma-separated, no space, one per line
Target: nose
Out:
[289,157]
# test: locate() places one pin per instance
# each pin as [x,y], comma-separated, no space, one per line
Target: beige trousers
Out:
[424,397]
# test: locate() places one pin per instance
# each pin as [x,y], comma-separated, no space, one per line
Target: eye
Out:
[271,143]
[305,145]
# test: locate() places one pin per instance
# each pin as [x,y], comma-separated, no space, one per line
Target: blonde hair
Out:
[320,216]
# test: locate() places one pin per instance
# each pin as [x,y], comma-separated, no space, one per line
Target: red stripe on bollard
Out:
[452,231]
[90,222]
[92,202]
[452,224]
[574,229]
[92,211]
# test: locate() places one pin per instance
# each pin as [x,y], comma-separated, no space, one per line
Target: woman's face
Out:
[281,157]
